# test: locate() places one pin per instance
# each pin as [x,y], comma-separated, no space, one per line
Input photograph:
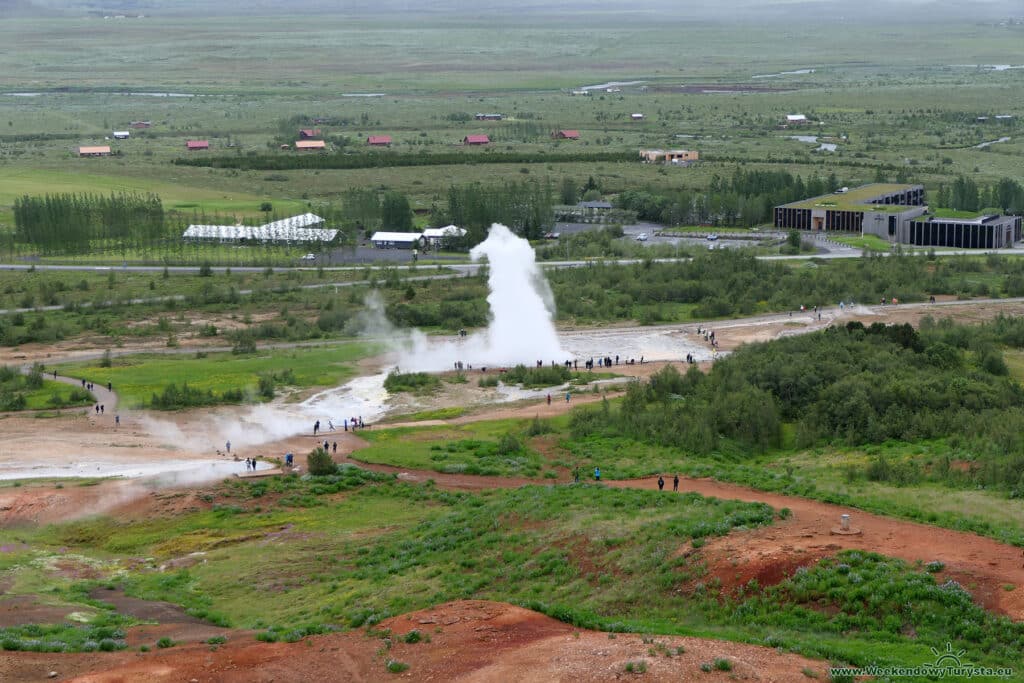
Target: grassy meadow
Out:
[138,377]
[916,121]
[588,555]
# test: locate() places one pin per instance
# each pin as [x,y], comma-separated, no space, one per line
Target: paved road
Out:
[105,397]
[457,270]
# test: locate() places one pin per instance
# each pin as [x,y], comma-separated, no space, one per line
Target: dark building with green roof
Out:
[897,213]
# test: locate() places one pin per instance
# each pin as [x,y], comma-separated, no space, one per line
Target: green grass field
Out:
[588,555]
[484,448]
[137,378]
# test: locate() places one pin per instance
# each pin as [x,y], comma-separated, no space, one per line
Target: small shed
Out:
[398,240]
[310,145]
[307,133]
[566,135]
[94,151]
[379,140]
[476,140]
[197,144]
[140,124]
[121,134]
[637,117]
[796,119]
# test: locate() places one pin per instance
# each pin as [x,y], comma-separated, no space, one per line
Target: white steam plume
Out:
[521,329]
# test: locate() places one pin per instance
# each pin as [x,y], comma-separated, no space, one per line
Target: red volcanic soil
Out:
[460,641]
[982,565]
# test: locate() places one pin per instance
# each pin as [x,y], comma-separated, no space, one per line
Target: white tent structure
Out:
[397,240]
[436,237]
[297,229]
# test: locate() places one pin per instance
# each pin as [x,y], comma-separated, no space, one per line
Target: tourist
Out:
[334,447]
[675,483]
[316,427]
[228,446]
[661,483]
[597,474]
[549,399]
[117,420]
[567,397]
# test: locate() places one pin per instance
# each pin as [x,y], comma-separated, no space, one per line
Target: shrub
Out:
[396,667]
[413,636]
[723,664]
[636,667]
[320,463]
[415,382]
[165,642]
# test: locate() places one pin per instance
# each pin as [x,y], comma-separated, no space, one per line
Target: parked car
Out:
[713,236]
[642,237]
[309,257]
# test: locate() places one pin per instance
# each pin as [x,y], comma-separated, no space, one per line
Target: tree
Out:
[395,212]
[793,240]
[569,195]
[266,207]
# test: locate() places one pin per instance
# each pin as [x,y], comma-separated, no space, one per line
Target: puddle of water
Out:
[991,142]
[184,470]
[798,72]
[611,84]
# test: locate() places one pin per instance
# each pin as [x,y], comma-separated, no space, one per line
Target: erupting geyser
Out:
[522,305]
[522,310]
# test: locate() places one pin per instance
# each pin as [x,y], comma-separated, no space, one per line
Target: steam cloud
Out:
[521,329]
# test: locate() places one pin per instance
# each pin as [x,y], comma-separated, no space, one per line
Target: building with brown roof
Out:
[94,151]
[307,133]
[476,140]
[197,144]
[379,140]
[566,135]
[310,145]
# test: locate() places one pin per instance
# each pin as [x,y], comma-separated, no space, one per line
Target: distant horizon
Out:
[734,11]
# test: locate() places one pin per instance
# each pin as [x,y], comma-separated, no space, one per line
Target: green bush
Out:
[413,382]
[320,463]
[534,377]
[396,667]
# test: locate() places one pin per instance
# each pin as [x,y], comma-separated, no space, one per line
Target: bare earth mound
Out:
[468,641]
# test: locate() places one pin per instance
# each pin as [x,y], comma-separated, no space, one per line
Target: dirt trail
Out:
[986,565]
[469,641]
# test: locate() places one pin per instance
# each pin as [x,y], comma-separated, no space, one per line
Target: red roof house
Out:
[476,140]
[310,144]
[379,140]
[307,133]
[566,135]
[197,144]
